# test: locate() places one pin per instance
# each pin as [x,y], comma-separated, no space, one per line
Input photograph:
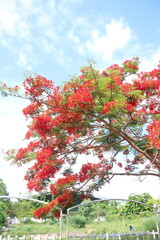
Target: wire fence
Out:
[114,236]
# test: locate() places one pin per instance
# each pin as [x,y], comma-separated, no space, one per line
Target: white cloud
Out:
[13,127]
[122,187]
[13,20]
[73,38]
[24,32]
[72,1]
[51,4]
[156,56]
[148,64]
[47,46]
[64,6]
[115,37]
[43,19]
[62,59]
[24,57]
[27,4]
[13,177]
[8,17]
[52,36]
[25,23]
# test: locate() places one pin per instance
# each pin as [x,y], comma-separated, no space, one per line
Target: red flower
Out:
[57,214]
[119,164]
[41,211]
[154,133]
[108,107]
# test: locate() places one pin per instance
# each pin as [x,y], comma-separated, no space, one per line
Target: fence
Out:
[119,236]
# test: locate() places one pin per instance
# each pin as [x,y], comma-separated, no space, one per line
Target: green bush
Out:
[150,224]
[26,220]
[50,221]
[112,218]
[2,218]
[78,221]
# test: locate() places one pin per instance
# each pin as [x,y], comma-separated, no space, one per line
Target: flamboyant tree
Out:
[113,116]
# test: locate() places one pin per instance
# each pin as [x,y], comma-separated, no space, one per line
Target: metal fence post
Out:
[60,225]
[157,224]
[67,227]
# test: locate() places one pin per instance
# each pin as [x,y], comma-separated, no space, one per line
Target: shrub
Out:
[78,221]
[26,220]
[50,221]
[112,218]
[2,218]
[150,224]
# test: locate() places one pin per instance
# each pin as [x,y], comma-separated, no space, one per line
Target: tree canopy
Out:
[112,115]
[3,188]
[4,203]
[132,207]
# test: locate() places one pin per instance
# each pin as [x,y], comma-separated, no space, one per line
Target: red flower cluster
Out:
[42,124]
[88,170]
[82,97]
[154,133]
[60,202]
[148,82]
[108,107]
[131,66]
[41,211]
[32,108]
[36,86]
[65,199]
[63,183]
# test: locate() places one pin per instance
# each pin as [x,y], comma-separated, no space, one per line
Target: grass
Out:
[33,228]
[116,226]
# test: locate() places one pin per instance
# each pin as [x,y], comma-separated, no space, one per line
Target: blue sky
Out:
[55,38]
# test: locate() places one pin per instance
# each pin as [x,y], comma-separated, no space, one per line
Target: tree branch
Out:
[136,174]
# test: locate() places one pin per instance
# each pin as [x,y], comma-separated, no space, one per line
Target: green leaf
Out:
[136,93]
